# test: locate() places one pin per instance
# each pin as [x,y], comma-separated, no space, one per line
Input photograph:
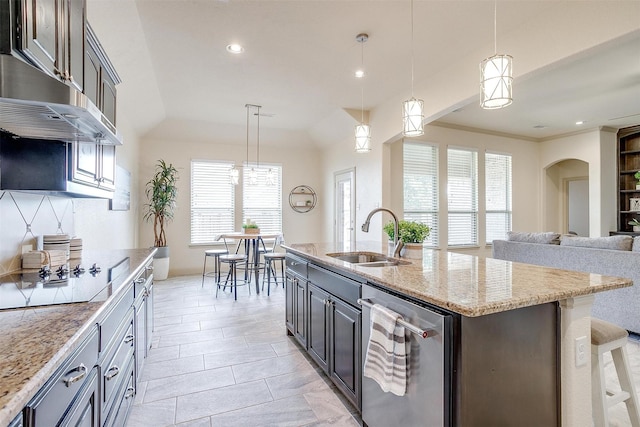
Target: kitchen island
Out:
[37,340]
[482,288]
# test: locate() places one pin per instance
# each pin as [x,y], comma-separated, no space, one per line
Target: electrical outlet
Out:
[582,346]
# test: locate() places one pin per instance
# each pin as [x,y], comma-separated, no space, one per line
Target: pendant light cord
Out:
[247,134]
[258,139]
[495,27]
[362,85]
[411,48]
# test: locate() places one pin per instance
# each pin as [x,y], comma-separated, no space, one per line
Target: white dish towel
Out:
[386,358]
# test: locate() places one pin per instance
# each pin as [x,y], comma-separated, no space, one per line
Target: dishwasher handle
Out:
[413,328]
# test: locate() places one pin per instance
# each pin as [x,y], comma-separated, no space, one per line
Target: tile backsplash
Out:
[24,217]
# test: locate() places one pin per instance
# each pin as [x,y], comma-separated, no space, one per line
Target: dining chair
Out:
[271,258]
[232,259]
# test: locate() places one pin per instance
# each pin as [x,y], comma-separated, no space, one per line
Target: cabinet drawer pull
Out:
[128,339]
[83,373]
[112,372]
[130,392]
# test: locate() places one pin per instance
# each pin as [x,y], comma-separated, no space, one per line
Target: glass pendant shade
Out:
[270,178]
[413,117]
[253,176]
[234,176]
[496,82]
[363,138]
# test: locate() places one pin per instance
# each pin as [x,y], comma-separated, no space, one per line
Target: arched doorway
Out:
[567,197]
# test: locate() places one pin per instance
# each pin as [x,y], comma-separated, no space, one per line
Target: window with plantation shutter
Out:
[498,195]
[421,186]
[462,178]
[262,197]
[212,200]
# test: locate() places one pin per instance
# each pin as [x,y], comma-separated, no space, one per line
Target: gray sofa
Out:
[620,306]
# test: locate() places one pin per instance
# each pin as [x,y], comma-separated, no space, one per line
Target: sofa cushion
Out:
[619,243]
[636,244]
[544,238]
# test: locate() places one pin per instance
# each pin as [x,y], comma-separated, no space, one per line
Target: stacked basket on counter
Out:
[57,249]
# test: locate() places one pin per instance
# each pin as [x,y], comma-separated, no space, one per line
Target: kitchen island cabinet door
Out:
[318,326]
[300,311]
[290,289]
[345,369]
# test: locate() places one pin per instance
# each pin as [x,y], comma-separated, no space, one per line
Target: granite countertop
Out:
[465,284]
[37,340]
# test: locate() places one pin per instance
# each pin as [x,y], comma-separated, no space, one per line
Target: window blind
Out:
[498,195]
[212,200]
[262,201]
[462,175]
[420,163]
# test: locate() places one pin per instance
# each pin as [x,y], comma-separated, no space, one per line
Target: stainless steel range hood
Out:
[35,105]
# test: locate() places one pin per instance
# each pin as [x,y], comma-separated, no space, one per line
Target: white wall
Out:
[368,182]
[597,147]
[299,166]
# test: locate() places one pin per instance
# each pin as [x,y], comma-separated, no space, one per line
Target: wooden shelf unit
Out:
[628,165]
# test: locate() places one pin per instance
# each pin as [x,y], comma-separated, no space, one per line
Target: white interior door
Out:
[345,209]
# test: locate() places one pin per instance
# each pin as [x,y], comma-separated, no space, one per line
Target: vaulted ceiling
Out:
[573,60]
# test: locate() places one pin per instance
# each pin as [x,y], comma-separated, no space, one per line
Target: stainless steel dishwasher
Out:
[428,400]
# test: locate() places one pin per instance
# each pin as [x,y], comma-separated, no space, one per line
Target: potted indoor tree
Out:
[412,234]
[161,192]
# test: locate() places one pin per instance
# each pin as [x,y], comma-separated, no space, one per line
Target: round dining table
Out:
[252,242]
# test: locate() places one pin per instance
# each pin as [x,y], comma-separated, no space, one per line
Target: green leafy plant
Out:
[637,176]
[252,225]
[161,191]
[409,231]
[634,222]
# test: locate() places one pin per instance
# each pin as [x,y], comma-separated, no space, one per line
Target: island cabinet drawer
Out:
[53,400]
[118,311]
[142,280]
[297,265]
[113,368]
[337,285]
[124,400]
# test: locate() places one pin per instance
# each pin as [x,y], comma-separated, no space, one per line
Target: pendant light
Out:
[496,75]
[412,109]
[234,175]
[363,131]
[253,172]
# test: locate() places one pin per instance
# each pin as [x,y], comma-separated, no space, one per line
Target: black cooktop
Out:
[76,281]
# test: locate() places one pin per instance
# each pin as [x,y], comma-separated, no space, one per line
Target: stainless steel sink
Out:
[367,259]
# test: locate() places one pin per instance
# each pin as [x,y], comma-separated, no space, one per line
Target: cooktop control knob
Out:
[94,269]
[78,271]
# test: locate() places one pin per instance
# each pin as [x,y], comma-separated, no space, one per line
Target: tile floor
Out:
[220,362]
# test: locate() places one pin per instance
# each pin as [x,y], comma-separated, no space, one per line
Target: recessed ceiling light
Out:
[235,48]
[580,122]
[539,126]
[359,74]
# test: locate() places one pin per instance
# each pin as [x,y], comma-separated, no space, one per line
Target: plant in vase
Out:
[412,234]
[635,223]
[251,227]
[161,191]
[637,177]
